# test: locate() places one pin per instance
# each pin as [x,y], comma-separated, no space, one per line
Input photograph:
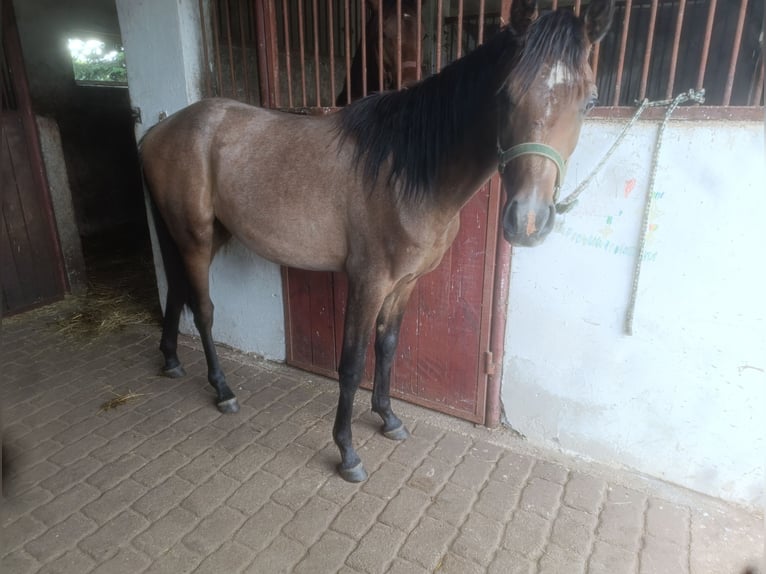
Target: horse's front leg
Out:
[388,325]
[361,310]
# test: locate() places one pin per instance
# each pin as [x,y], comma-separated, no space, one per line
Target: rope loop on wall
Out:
[696,96]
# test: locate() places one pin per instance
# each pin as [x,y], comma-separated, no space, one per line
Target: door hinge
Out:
[489,363]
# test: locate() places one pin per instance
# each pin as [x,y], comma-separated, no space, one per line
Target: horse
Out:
[374,190]
[370,58]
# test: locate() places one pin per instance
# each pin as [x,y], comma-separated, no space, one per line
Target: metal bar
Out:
[302,46]
[232,74]
[398,44]
[288,63]
[347,38]
[380,45]
[480,40]
[555,5]
[757,90]
[623,48]
[735,53]
[217,47]
[459,29]
[315,27]
[243,44]
[706,44]
[648,52]
[577,7]
[273,53]
[594,60]
[439,16]
[363,45]
[331,39]
[205,54]
[674,52]
[419,53]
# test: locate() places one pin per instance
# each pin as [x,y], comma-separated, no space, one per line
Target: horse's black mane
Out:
[423,127]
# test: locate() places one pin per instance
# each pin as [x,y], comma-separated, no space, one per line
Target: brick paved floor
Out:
[165,484]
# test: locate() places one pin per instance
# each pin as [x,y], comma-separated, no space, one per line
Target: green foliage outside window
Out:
[94,61]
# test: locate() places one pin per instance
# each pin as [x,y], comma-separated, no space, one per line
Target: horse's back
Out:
[276,181]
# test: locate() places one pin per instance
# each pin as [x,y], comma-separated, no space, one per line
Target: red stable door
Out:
[442,357]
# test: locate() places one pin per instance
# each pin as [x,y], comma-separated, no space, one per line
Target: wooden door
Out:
[31,266]
[441,361]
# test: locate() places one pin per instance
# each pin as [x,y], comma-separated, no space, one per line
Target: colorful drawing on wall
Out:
[630,185]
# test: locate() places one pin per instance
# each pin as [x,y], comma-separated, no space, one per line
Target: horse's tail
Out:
[175,273]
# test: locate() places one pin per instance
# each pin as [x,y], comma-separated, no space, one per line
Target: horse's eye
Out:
[592,103]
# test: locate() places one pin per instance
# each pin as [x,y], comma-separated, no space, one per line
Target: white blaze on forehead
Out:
[559,74]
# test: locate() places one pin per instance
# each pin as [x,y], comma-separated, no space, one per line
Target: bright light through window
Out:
[97,60]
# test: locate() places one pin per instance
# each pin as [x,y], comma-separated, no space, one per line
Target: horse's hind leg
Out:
[388,325]
[198,270]
[169,342]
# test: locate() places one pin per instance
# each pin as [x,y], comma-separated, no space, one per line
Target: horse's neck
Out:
[469,168]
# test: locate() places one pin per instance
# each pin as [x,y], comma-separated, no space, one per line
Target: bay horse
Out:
[369,60]
[374,190]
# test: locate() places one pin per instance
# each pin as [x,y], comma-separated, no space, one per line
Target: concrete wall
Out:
[682,399]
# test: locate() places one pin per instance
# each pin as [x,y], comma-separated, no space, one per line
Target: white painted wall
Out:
[682,399]
[163,49]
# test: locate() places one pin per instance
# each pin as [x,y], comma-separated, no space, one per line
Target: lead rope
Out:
[697,96]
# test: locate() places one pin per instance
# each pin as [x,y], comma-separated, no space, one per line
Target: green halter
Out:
[505,156]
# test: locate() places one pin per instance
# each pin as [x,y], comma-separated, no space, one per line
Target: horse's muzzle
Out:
[527,224]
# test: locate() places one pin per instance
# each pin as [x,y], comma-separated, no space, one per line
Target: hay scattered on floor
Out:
[119,400]
[105,309]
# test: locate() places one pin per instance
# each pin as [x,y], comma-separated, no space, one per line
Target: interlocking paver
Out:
[161,498]
[66,504]
[279,557]
[478,538]
[210,495]
[107,539]
[452,504]
[72,562]
[542,497]
[573,530]
[358,515]
[405,508]
[166,484]
[526,534]
[309,522]
[214,530]
[165,532]
[126,561]
[622,520]
[428,542]
[113,501]
[263,526]
[327,555]
[60,537]
[376,549]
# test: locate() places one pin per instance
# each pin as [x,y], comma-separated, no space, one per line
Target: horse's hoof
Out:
[229,406]
[175,373]
[353,474]
[399,433]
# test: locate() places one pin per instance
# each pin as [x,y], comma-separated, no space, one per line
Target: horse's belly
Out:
[303,246]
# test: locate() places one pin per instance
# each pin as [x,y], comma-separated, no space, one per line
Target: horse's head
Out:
[391,30]
[545,99]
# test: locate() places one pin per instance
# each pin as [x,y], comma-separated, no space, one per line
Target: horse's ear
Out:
[523,13]
[598,18]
